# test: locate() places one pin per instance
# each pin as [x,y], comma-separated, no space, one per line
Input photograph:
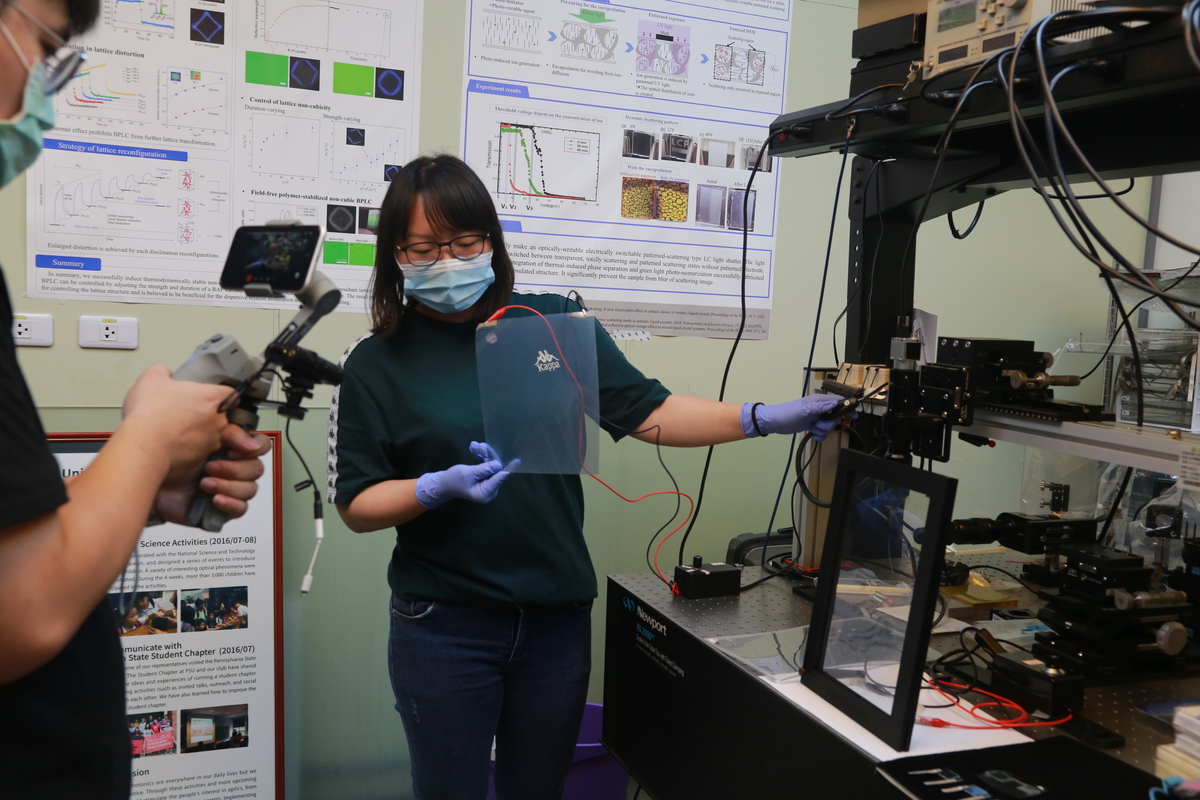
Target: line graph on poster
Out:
[288,146]
[121,198]
[534,161]
[263,211]
[194,98]
[151,16]
[115,90]
[368,153]
[325,24]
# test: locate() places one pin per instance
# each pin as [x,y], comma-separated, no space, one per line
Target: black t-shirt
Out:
[410,405]
[62,727]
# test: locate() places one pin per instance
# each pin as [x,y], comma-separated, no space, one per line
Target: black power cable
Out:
[812,498]
[975,221]
[736,340]
[1065,22]
[837,194]
[1117,498]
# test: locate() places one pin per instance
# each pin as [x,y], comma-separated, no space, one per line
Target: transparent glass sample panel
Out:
[775,654]
[538,386]
[870,623]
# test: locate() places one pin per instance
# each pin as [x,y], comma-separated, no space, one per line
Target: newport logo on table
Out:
[628,603]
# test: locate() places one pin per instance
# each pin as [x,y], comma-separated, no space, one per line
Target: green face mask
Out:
[21,136]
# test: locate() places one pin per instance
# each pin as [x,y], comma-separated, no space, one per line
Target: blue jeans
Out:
[463,675]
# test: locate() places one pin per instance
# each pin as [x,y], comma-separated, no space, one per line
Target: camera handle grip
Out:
[221,360]
[203,514]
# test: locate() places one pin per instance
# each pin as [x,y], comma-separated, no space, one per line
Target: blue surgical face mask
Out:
[450,285]
[21,136]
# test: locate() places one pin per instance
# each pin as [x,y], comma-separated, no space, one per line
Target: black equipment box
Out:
[708,580]
[1093,569]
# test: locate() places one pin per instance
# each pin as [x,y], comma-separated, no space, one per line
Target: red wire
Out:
[582,408]
[993,724]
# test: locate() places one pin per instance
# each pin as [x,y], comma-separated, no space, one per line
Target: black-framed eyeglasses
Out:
[426,254]
[59,67]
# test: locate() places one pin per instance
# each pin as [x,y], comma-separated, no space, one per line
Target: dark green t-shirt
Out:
[410,405]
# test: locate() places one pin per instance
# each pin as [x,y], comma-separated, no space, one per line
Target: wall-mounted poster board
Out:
[200,617]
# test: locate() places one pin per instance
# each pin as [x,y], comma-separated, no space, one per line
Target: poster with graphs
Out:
[191,118]
[618,140]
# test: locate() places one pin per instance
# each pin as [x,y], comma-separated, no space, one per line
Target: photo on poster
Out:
[368,221]
[639,144]
[221,609]
[215,728]
[144,613]
[152,733]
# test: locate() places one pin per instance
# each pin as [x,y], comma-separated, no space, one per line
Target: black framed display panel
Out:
[866,533]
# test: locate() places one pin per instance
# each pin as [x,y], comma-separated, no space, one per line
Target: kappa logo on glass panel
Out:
[546,362]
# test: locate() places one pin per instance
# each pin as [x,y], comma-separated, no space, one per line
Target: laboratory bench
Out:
[689,721]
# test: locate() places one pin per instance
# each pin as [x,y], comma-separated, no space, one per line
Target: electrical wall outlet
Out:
[111,333]
[33,330]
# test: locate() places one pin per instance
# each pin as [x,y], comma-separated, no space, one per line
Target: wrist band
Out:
[754,419]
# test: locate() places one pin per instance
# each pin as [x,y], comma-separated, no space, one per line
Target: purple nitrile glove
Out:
[798,415]
[479,483]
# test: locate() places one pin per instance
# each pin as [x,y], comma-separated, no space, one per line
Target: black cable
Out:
[843,111]
[1122,193]
[736,340]
[761,581]
[941,148]
[1023,134]
[1056,117]
[812,498]
[287,434]
[638,793]
[975,221]
[1133,351]
[787,468]
[578,299]
[1078,21]
[678,500]
[741,326]
[1112,512]
[1069,197]
[837,194]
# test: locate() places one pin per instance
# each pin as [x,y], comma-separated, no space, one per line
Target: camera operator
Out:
[62,660]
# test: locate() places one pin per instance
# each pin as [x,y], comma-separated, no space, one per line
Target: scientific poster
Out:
[617,141]
[190,119]
[198,614]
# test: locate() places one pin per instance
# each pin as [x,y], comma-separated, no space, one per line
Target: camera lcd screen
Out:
[279,256]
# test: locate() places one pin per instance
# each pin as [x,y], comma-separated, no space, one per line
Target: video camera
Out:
[266,261]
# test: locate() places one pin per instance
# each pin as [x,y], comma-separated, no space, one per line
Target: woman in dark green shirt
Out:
[491,581]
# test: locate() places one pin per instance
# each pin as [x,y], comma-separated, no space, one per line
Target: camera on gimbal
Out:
[266,261]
